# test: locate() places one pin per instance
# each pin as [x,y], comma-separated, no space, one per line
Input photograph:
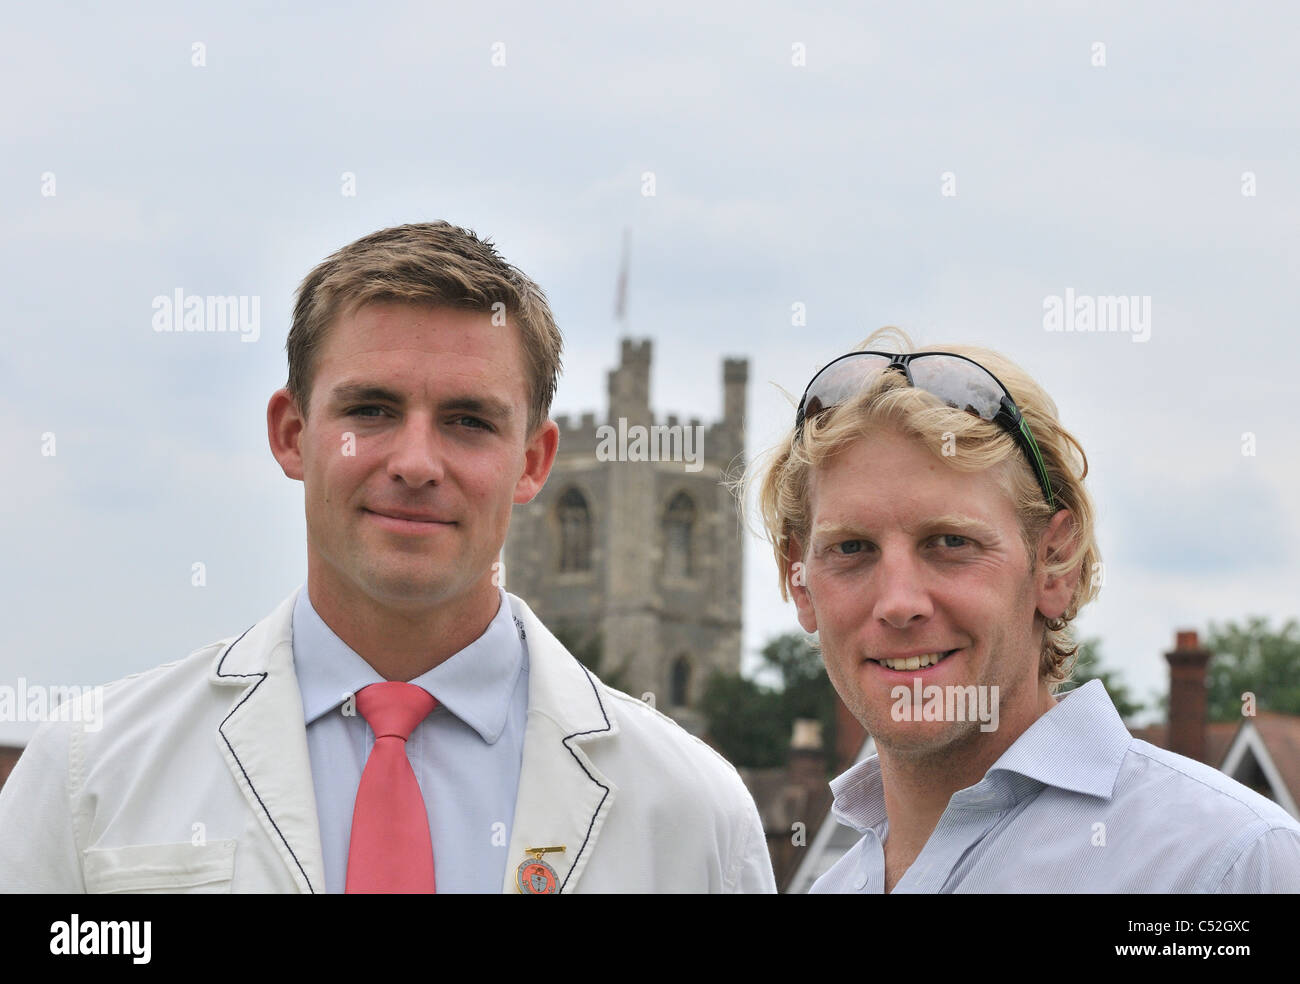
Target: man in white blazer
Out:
[421,371]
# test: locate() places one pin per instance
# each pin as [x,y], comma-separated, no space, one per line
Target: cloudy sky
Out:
[933,166]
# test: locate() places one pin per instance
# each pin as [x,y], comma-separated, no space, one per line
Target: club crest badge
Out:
[534,876]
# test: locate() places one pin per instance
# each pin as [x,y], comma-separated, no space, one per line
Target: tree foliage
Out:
[1087,666]
[1253,658]
[744,721]
[751,724]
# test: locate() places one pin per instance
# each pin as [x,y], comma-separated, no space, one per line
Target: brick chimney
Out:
[1188,697]
[807,763]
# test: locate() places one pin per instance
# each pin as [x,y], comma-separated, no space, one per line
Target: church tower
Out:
[632,552]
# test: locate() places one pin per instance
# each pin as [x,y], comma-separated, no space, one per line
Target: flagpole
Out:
[620,296]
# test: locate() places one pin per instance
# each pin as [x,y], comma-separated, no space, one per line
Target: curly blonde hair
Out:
[781,475]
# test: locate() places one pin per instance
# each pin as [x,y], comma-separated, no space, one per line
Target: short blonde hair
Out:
[782,474]
[433,263]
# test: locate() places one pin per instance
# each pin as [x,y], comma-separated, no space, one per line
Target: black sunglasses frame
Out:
[1008,415]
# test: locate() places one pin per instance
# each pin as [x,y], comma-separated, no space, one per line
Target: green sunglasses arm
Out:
[1039,464]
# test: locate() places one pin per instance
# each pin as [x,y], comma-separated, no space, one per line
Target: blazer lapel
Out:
[563,799]
[264,741]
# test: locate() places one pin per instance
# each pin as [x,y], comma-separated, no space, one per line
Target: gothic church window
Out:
[681,681]
[575,532]
[679,523]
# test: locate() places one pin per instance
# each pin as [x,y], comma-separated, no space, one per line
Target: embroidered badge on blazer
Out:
[534,876]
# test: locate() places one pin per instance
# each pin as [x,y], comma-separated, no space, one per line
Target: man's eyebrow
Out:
[486,406]
[952,522]
[362,392]
[955,521]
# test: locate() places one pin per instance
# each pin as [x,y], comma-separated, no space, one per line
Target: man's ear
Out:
[539,456]
[1055,590]
[284,427]
[797,581]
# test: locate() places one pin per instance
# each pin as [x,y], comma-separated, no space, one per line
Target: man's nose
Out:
[901,590]
[417,455]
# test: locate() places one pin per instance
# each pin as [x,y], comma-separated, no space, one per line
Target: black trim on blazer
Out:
[566,740]
[260,678]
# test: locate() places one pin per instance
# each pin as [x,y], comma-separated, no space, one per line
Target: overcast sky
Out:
[1161,165]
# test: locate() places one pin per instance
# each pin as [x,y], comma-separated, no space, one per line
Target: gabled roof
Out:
[1265,755]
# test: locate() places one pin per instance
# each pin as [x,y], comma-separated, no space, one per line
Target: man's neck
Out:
[917,789]
[401,643]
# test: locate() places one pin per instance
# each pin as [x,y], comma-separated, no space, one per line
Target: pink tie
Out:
[390,849]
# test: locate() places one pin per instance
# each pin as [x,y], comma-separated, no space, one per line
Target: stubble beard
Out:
[917,743]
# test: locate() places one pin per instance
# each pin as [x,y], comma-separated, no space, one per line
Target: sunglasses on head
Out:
[960,382]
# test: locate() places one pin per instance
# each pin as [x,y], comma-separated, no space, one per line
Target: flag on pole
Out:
[620,298]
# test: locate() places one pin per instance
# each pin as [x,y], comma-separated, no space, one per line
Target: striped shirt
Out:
[1077,804]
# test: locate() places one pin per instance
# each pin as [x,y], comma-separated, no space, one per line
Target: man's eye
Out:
[847,547]
[954,536]
[474,423]
[358,411]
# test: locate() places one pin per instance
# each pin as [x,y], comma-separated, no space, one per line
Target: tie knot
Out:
[394,708]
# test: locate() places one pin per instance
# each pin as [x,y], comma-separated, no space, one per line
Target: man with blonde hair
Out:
[400,724]
[929,517]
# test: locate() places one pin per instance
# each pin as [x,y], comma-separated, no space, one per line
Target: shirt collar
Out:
[1078,745]
[476,684]
[859,796]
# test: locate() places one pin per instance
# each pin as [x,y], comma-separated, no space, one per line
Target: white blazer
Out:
[199,781]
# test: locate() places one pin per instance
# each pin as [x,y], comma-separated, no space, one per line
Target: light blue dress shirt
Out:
[1077,804]
[466,754]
